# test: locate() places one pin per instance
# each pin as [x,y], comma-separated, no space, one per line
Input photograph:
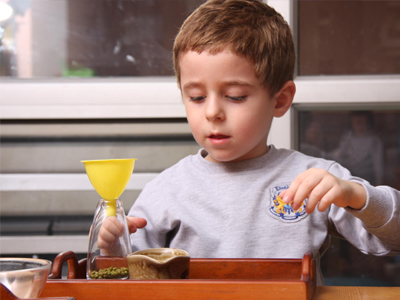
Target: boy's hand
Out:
[323,189]
[112,229]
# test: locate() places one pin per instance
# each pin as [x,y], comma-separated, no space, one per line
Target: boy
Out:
[239,197]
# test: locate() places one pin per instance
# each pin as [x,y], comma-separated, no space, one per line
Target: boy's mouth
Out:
[218,139]
[218,136]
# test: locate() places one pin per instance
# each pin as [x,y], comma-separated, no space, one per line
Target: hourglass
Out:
[109,178]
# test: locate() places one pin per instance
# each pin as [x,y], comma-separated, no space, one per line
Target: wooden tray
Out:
[208,279]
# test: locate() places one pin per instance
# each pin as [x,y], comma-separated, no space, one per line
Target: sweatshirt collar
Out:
[250,165]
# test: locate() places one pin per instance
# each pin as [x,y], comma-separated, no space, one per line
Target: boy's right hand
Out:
[112,229]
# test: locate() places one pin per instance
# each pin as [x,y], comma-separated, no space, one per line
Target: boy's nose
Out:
[214,109]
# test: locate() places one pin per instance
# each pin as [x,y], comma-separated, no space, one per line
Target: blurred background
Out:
[93,79]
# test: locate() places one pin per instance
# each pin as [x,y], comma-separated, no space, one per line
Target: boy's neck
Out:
[209,158]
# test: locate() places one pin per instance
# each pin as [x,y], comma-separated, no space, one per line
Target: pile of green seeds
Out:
[110,273]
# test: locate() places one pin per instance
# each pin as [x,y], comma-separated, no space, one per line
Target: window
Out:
[72,38]
[45,193]
[365,141]
[349,37]
[83,79]
[358,56]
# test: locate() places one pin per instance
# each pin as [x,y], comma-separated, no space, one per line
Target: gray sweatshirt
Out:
[230,210]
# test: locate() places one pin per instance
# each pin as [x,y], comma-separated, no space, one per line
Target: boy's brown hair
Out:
[248,27]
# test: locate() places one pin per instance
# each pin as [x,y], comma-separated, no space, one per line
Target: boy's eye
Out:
[239,98]
[196,99]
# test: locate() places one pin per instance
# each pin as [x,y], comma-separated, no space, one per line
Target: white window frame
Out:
[98,98]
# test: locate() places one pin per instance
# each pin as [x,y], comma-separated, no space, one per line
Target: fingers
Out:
[321,196]
[318,185]
[110,231]
[134,223]
[305,189]
[326,200]
[301,187]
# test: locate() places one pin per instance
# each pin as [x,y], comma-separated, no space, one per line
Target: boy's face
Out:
[228,110]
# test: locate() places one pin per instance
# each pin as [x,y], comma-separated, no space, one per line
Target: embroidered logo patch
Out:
[283,211]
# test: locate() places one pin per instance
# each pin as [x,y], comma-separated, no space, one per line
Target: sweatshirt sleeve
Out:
[375,228]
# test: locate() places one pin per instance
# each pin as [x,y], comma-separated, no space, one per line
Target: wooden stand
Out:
[208,279]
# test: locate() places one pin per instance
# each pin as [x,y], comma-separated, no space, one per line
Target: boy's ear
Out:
[284,98]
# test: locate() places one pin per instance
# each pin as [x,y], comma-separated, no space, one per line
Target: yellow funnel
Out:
[109,177]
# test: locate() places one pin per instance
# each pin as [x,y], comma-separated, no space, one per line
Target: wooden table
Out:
[356,292]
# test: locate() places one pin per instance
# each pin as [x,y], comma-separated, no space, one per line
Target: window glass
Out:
[349,37]
[366,142]
[63,38]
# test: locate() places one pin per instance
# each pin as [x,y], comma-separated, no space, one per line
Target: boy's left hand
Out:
[323,189]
